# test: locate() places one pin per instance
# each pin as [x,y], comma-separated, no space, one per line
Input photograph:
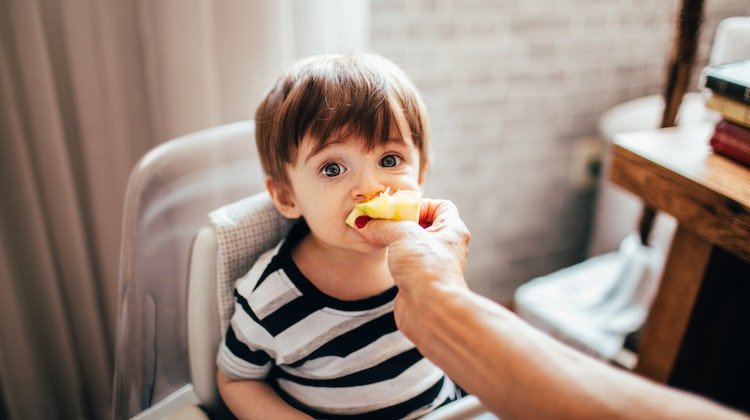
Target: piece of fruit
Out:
[401,205]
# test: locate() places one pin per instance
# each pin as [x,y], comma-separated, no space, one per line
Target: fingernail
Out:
[361,221]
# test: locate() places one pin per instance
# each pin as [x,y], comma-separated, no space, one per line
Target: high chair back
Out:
[223,252]
[170,193]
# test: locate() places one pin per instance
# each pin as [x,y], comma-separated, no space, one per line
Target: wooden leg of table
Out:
[670,311]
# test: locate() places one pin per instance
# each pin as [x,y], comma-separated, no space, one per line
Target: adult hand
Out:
[436,249]
[424,257]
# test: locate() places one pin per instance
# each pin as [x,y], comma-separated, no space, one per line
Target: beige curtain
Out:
[86,88]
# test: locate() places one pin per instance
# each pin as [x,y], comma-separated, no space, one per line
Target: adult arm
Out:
[515,370]
[254,399]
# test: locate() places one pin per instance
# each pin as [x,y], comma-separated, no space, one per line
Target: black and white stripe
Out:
[324,356]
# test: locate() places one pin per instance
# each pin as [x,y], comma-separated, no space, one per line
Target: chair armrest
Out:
[203,317]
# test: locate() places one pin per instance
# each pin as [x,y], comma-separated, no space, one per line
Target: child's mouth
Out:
[401,205]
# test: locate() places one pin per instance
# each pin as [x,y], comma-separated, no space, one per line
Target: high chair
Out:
[178,262]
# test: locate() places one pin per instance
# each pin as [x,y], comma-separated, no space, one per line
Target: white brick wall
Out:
[510,84]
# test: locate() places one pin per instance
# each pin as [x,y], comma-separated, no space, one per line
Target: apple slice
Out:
[401,205]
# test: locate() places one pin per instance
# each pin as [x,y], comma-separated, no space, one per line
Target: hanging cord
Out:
[679,70]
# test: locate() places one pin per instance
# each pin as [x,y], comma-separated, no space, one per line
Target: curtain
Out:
[86,88]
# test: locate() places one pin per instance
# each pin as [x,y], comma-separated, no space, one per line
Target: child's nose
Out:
[367,187]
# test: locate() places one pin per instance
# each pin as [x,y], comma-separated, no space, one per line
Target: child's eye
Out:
[390,161]
[332,169]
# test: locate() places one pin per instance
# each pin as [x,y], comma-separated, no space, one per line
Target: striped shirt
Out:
[327,357]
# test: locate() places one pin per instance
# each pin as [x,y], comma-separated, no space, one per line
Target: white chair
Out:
[179,260]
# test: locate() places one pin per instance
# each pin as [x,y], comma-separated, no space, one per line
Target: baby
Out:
[313,333]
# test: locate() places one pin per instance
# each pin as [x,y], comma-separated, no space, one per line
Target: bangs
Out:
[369,122]
[341,100]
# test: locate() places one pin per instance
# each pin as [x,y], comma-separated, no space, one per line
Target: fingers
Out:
[386,232]
[435,216]
[431,210]
[426,214]
[441,214]
[446,224]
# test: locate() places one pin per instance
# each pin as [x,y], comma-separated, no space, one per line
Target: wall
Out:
[511,85]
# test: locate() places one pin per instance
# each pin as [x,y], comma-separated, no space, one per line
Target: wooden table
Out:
[697,335]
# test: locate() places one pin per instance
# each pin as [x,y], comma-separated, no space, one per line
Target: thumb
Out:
[385,232]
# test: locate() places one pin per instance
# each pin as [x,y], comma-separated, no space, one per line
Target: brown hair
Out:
[333,96]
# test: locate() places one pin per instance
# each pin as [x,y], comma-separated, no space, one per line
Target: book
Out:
[732,141]
[731,80]
[734,111]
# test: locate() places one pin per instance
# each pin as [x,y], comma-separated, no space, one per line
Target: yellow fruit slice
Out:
[401,205]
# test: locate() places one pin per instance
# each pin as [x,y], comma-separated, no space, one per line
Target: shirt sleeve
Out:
[242,354]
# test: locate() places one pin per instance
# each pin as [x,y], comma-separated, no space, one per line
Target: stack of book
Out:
[729,95]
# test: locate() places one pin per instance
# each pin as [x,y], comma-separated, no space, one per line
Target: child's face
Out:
[326,185]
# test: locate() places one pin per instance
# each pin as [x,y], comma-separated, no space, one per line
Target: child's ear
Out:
[283,198]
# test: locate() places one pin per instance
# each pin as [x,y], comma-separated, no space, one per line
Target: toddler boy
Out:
[313,333]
